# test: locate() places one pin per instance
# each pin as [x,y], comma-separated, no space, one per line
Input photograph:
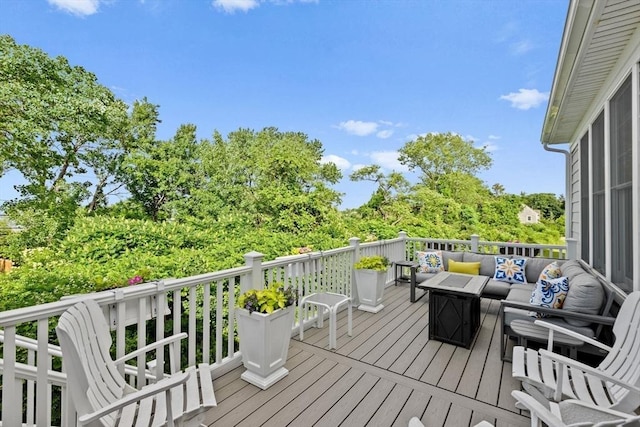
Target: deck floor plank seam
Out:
[329,398]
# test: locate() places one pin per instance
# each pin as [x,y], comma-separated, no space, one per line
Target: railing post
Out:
[403,238]
[572,248]
[474,242]
[354,242]
[255,280]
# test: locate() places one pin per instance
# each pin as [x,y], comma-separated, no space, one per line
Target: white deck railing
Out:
[33,381]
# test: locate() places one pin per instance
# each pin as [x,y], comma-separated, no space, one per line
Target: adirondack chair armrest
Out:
[150,390]
[555,312]
[569,332]
[538,411]
[153,346]
[562,360]
[552,415]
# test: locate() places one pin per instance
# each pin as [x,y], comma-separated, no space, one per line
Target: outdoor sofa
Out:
[585,306]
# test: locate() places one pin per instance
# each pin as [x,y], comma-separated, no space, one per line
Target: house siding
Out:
[574,181]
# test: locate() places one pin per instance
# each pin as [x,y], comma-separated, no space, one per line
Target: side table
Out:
[400,265]
[332,302]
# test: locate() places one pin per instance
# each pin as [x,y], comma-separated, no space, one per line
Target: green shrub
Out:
[375,262]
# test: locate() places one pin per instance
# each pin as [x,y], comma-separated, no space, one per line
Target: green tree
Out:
[439,154]
[53,117]
[498,189]
[161,175]
[548,204]
[389,187]
[270,178]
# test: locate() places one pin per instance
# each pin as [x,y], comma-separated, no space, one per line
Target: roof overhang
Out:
[596,36]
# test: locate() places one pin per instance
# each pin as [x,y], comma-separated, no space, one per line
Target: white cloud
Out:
[77,7]
[359,128]
[494,137]
[526,98]
[489,147]
[388,160]
[340,162]
[521,47]
[384,134]
[230,6]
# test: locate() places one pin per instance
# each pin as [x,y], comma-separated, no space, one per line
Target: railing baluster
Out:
[160,313]
[232,317]
[192,326]
[206,322]
[43,398]
[31,394]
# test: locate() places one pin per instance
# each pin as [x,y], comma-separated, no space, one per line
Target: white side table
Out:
[330,301]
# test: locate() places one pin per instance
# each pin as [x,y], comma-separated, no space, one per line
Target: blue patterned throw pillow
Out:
[551,271]
[550,293]
[510,270]
[430,262]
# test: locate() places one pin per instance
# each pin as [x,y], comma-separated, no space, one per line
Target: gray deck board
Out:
[386,373]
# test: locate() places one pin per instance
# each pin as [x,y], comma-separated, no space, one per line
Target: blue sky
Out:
[362,76]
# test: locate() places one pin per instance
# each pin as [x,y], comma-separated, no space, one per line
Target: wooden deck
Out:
[387,372]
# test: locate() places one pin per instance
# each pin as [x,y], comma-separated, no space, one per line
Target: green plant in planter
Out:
[374,262]
[269,299]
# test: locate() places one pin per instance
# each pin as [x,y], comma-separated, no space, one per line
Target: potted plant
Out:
[265,320]
[371,275]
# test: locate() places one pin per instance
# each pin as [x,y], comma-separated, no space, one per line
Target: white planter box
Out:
[132,309]
[264,344]
[370,284]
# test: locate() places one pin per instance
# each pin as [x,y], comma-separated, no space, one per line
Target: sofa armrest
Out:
[554,312]
[564,331]
[413,284]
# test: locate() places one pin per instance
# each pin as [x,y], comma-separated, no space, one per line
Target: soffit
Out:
[596,35]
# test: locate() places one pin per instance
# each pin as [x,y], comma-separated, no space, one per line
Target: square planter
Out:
[264,344]
[370,284]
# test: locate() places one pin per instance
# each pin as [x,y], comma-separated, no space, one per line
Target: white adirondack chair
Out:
[99,392]
[570,413]
[613,384]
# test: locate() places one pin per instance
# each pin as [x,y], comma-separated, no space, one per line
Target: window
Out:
[529,218]
[584,198]
[598,191]
[621,187]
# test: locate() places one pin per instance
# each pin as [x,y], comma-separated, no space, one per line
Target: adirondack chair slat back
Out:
[94,380]
[623,361]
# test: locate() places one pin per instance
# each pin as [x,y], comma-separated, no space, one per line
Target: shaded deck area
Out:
[387,372]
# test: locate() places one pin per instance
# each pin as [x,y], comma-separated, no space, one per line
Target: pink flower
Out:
[135,280]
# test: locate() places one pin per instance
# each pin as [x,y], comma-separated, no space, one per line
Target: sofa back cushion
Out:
[571,269]
[450,255]
[535,267]
[487,262]
[585,296]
